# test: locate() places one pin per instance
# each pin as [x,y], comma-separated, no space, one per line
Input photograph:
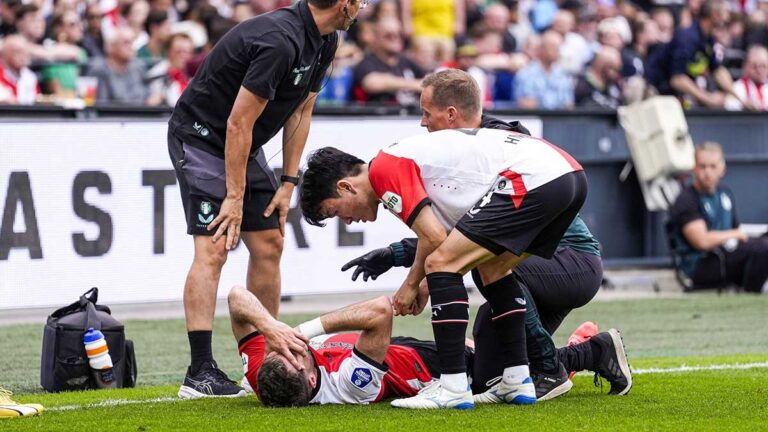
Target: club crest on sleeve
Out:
[361,377]
[392,201]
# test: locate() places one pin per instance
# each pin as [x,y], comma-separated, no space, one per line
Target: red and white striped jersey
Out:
[453,169]
[347,376]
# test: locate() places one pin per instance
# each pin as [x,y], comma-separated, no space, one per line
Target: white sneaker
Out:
[434,396]
[517,394]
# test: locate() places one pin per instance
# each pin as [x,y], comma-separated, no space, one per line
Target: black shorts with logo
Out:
[535,226]
[202,182]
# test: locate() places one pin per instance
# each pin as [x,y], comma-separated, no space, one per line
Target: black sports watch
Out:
[289,179]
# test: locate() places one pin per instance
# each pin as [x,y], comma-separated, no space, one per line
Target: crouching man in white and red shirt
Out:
[476,198]
[312,364]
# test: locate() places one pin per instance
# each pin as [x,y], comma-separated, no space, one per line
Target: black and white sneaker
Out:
[613,364]
[209,381]
[550,386]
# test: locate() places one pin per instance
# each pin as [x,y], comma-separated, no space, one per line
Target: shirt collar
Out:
[309,21]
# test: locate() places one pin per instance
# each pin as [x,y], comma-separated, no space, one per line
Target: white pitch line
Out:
[685,368]
[114,402]
[648,371]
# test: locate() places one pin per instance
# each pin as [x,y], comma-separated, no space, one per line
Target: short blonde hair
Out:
[454,87]
[710,146]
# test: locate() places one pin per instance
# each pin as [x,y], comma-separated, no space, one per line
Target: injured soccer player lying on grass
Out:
[314,364]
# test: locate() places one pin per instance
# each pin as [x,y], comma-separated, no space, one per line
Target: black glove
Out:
[372,264]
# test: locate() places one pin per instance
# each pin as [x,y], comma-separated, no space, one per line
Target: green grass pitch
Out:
[710,334]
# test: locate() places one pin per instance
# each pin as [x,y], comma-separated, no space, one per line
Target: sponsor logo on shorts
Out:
[361,377]
[206,213]
[201,130]
[393,202]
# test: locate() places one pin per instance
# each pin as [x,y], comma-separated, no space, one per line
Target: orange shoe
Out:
[582,334]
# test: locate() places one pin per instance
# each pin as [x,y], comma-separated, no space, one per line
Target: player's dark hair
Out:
[324,4]
[279,388]
[325,167]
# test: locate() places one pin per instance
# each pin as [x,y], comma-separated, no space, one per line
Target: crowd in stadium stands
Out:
[529,54]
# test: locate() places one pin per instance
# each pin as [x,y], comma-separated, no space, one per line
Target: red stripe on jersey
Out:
[517,184]
[397,182]
[571,161]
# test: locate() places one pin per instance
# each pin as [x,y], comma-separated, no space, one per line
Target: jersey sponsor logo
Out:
[206,213]
[361,377]
[299,73]
[393,202]
[201,130]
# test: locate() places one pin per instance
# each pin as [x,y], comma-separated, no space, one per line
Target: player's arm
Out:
[431,233]
[246,310]
[246,109]
[697,234]
[295,133]
[372,317]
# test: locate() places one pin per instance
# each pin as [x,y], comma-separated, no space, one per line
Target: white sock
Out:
[515,374]
[456,382]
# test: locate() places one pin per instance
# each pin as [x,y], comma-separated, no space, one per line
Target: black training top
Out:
[280,56]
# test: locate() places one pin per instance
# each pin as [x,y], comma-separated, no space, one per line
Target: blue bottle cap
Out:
[92,336]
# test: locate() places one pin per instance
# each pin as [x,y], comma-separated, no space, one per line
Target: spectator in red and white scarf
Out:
[168,79]
[752,88]
[18,84]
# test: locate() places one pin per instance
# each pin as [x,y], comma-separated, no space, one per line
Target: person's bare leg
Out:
[263,277]
[202,283]
[203,378]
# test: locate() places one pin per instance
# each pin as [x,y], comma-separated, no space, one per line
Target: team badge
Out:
[361,377]
[726,202]
[206,213]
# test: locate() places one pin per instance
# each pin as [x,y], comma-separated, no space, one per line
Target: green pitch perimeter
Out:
[701,363]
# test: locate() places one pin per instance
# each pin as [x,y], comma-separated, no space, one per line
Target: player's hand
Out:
[228,221]
[404,298]
[421,298]
[740,235]
[282,203]
[285,340]
[372,264]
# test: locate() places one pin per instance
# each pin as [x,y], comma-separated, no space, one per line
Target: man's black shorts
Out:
[535,227]
[202,182]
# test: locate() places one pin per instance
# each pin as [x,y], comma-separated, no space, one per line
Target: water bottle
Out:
[99,359]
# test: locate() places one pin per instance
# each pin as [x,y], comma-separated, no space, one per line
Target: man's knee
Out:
[438,261]
[268,246]
[210,254]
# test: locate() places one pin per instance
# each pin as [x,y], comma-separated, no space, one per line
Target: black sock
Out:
[200,347]
[579,357]
[597,352]
[450,315]
[508,309]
